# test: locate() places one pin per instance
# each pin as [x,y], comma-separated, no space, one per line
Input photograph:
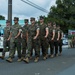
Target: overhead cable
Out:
[34,5]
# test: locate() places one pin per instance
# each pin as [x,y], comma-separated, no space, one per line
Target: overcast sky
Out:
[23,10]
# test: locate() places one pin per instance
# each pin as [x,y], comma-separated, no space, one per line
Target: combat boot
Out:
[56,55]
[19,60]
[59,54]
[26,60]
[2,57]
[44,58]
[36,59]
[30,57]
[52,56]
[9,60]
[22,58]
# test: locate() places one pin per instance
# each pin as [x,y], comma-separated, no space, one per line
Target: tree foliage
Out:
[63,13]
[2,17]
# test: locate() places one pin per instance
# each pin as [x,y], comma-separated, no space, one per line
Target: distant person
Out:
[73,42]
[1,30]
[69,41]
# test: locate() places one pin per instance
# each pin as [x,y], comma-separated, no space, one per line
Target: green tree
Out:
[2,17]
[63,13]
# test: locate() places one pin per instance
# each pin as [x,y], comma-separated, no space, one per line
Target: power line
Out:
[37,6]
[33,5]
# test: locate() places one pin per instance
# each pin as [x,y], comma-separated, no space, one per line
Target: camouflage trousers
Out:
[60,46]
[6,47]
[13,47]
[56,46]
[24,46]
[51,44]
[44,46]
[33,44]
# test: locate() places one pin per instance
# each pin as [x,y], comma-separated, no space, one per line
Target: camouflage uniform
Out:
[15,43]
[43,40]
[56,42]
[51,42]
[60,41]
[32,43]
[24,38]
[6,43]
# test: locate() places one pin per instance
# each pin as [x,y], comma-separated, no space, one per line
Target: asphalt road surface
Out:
[61,65]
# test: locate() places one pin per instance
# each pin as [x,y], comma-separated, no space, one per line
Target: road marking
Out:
[48,69]
[64,62]
[37,73]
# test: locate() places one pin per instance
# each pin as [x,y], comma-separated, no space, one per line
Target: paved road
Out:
[61,65]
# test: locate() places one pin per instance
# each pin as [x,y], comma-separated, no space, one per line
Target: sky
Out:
[23,10]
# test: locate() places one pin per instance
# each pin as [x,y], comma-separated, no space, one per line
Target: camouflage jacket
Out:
[14,31]
[24,30]
[50,32]
[6,32]
[32,30]
[42,30]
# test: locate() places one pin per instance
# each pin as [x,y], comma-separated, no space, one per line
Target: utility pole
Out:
[10,11]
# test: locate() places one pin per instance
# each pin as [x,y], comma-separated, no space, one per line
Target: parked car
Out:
[1,43]
[65,41]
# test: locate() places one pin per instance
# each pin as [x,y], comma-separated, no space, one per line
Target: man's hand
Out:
[35,37]
[52,39]
[15,37]
[45,36]
[8,39]
[57,39]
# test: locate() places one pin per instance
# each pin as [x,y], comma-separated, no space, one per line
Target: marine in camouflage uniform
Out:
[56,39]
[15,41]
[24,38]
[60,40]
[6,41]
[43,37]
[33,40]
[51,38]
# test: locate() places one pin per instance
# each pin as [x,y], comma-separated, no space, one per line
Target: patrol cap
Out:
[32,19]
[7,21]
[26,20]
[41,17]
[49,22]
[54,23]
[16,18]
[58,25]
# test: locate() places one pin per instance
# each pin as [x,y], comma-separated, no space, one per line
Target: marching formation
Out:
[37,36]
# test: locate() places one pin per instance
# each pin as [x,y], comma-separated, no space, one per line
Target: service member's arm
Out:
[58,35]
[53,35]
[62,35]
[20,30]
[47,32]
[37,33]
[9,36]
[27,36]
